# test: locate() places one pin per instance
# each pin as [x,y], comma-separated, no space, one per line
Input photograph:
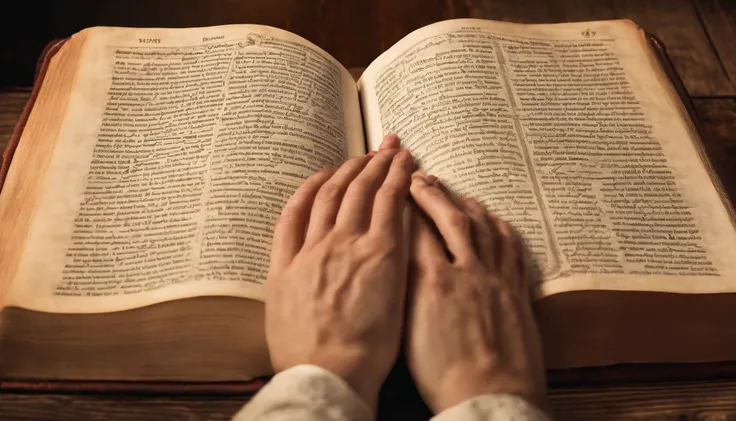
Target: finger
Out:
[508,254]
[453,223]
[388,206]
[288,235]
[426,257]
[482,232]
[428,178]
[330,195]
[390,141]
[493,254]
[426,248]
[355,209]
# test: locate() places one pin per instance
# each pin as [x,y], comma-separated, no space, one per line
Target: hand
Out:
[337,279]
[470,329]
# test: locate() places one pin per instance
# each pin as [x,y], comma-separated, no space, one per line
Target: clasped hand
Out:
[342,291]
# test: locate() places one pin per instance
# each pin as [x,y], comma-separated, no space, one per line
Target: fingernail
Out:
[371,153]
[433,180]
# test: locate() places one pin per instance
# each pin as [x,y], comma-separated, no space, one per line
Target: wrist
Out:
[357,375]
[362,388]
[456,388]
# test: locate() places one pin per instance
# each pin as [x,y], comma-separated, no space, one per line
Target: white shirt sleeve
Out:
[500,407]
[311,393]
[305,393]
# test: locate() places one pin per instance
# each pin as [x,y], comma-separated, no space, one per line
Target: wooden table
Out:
[700,36]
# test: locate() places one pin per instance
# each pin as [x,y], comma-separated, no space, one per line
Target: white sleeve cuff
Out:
[307,393]
[493,407]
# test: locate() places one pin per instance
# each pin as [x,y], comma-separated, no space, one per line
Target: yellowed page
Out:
[177,152]
[573,133]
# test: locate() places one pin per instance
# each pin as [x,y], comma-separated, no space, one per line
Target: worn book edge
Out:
[618,372]
[660,51]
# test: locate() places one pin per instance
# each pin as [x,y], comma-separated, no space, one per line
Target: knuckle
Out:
[329,192]
[288,215]
[472,202]
[479,219]
[354,162]
[505,229]
[360,185]
[504,296]
[511,257]
[403,158]
[459,220]
[416,187]
[434,279]
[392,190]
[388,244]
[420,187]
[323,172]
[437,277]
[358,160]
[382,157]
[475,206]
[387,153]
[469,264]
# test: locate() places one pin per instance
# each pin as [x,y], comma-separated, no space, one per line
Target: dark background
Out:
[356,31]
[347,29]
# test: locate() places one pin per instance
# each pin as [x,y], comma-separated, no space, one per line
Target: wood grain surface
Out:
[717,118]
[719,20]
[11,106]
[699,36]
[650,401]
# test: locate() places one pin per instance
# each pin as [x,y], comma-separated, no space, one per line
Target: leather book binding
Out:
[622,372]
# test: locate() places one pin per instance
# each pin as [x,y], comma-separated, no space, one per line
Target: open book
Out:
[136,217]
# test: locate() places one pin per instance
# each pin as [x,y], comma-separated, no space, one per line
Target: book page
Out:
[177,152]
[573,133]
